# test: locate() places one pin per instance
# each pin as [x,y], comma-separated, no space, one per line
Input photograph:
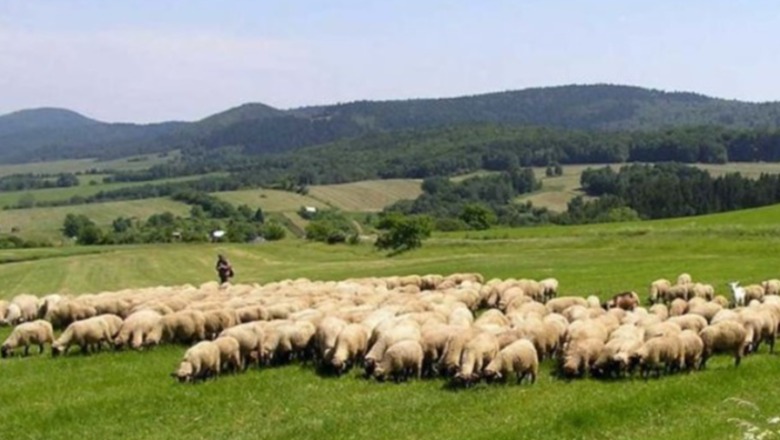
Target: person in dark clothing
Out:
[224,269]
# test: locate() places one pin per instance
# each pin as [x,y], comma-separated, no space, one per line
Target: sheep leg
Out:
[26,350]
[40,348]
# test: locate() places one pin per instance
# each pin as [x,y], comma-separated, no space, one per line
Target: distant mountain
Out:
[55,133]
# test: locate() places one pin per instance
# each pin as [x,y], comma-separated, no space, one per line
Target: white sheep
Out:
[518,358]
[38,332]
[199,362]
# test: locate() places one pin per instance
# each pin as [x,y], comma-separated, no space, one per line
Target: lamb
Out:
[92,332]
[725,336]
[401,360]
[350,347]
[230,358]
[665,352]
[199,362]
[692,347]
[519,358]
[37,332]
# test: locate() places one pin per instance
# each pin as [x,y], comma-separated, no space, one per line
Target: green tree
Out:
[402,233]
[477,216]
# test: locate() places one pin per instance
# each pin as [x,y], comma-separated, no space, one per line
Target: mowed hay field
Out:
[81,165]
[367,196]
[46,223]
[130,395]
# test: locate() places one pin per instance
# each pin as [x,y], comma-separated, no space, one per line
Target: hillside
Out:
[43,134]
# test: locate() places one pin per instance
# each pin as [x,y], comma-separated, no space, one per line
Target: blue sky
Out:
[153,60]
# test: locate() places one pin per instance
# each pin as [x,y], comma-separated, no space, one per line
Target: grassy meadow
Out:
[130,395]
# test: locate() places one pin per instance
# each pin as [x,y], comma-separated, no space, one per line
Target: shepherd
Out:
[224,269]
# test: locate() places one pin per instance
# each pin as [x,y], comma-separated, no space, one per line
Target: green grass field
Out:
[367,196]
[81,165]
[46,223]
[129,395]
[10,198]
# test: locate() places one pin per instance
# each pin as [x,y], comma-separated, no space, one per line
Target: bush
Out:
[273,231]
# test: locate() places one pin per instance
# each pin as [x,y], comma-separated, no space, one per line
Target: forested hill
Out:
[54,133]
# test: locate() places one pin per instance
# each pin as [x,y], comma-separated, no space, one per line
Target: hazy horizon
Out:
[153,61]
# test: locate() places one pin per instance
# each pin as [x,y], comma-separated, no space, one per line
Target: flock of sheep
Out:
[457,326]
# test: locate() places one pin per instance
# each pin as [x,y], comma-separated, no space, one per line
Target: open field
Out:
[45,223]
[8,198]
[81,165]
[270,200]
[367,196]
[130,395]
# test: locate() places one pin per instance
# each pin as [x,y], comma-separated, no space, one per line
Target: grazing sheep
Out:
[217,320]
[350,347]
[660,310]
[708,310]
[689,322]
[664,352]
[199,362]
[518,358]
[662,329]
[140,329]
[325,335]
[678,307]
[615,359]
[725,336]
[113,322]
[558,305]
[684,278]
[400,361]
[38,332]
[28,308]
[252,313]
[721,301]
[659,290]
[230,358]
[66,311]
[771,287]
[4,312]
[762,324]
[692,347]
[477,353]
[593,302]
[186,326]
[549,288]
[753,292]
[706,291]
[580,356]
[250,340]
[450,358]
[92,332]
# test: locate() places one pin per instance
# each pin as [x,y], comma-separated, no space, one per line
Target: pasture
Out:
[140,162]
[130,395]
[46,223]
[368,195]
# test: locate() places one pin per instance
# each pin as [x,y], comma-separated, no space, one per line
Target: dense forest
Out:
[45,134]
